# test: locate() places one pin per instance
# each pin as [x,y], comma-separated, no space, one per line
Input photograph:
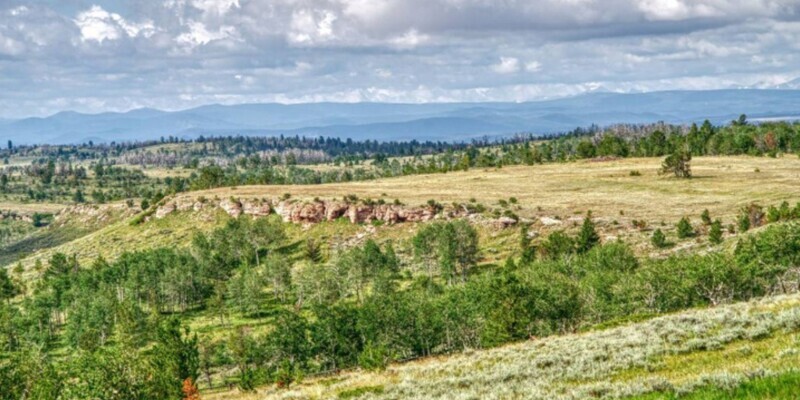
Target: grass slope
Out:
[691,351]
[779,387]
[721,184]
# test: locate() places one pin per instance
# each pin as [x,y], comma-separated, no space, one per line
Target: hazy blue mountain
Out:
[451,121]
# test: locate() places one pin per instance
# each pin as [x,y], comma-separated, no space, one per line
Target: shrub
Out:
[754,214]
[658,239]
[685,229]
[785,211]
[588,236]
[715,234]
[435,206]
[706,217]
[558,244]
[635,173]
[678,164]
[773,214]
[41,219]
[744,223]
[374,357]
[511,214]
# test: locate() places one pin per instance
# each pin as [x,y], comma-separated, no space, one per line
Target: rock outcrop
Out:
[313,212]
[232,207]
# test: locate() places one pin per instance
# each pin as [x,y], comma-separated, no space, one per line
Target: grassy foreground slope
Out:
[705,351]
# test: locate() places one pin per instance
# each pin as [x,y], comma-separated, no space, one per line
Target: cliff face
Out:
[304,212]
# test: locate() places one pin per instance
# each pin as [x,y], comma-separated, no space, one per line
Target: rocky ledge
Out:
[312,212]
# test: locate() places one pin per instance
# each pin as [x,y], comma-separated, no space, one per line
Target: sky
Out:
[116,55]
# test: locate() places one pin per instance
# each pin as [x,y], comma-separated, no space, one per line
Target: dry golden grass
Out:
[721,184]
[30,208]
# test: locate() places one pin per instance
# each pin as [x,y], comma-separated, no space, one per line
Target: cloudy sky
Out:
[115,55]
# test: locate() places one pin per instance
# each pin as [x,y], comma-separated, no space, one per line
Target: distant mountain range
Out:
[383,121]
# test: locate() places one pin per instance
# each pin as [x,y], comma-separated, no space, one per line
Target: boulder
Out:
[256,208]
[547,221]
[165,210]
[335,210]
[308,213]
[505,222]
[232,207]
[359,213]
[284,209]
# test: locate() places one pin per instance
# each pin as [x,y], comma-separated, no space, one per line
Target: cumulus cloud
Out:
[507,65]
[98,24]
[312,26]
[180,53]
[199,34]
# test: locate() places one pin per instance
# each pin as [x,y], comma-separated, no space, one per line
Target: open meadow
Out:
[720,184]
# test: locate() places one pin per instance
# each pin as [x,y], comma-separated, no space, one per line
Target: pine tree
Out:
[7,288]
[588,237]
[685,229]
[658,239]
[677,163]
[78,197]
[744,223]
[706,217]
[715,234]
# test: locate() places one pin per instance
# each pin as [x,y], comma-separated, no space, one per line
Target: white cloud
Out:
[310,27]
[410,40]
[507,65]
[219,7]
[10,46]
[533,66]
[386,49]
[99,25]
[199,34]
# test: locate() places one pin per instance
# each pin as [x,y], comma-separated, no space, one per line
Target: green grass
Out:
[358,392]
[777,387]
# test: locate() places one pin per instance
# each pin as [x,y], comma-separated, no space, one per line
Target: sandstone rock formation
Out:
[312,212]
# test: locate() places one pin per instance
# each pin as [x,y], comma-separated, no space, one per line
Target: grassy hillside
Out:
[566,191]
[720,184]
[65,226]
[687,352]
[699,350]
